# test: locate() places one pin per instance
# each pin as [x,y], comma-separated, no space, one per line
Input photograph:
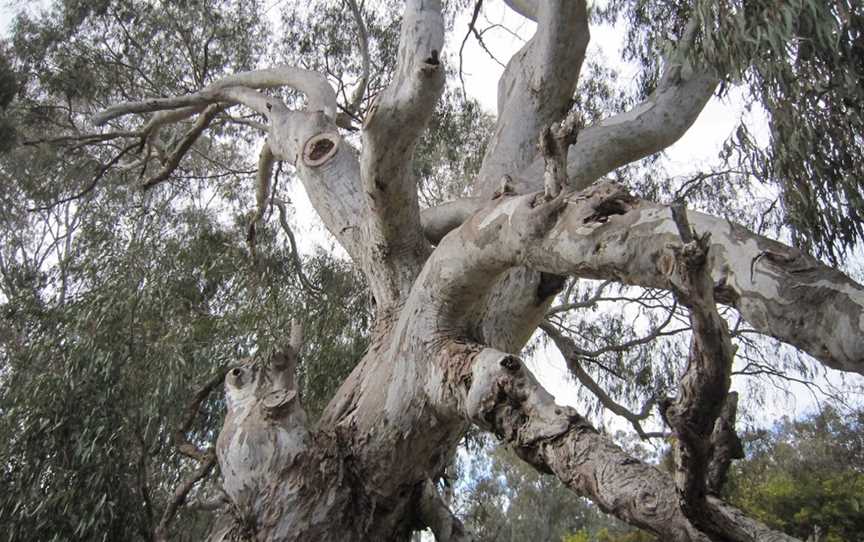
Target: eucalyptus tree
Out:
[459,287]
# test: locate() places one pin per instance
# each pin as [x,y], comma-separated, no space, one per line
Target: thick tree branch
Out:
[211,95]
[440,220]
[525,8]
[502,396]
[604,233]
[536,88]
[320,95]
[329,170]
[647,128]
[237,88]
[390,133]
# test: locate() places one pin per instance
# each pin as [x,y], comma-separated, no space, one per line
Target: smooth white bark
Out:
[396,245]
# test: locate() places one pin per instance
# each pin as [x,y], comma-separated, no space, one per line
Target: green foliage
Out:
[451,150]
[504,499]
[8,89]
[336,328]
[801,61]
[806,475]
[604,535]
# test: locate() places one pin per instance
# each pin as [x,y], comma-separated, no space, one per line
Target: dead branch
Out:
[703,389]
[353,106]
[477,5]
[184,145]
[184,445]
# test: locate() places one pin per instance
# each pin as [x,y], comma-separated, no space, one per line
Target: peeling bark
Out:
[502,396]
[451,318]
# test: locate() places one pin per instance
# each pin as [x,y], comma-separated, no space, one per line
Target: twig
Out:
[89,188]
[180,495]
[571,356]
[295,255]
[205,458]
[363,37]
[184,445]
[183,146]
[474,15]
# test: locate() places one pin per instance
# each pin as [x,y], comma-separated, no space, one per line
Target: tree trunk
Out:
[460,289]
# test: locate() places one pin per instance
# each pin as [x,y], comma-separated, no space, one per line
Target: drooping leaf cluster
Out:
[801,61]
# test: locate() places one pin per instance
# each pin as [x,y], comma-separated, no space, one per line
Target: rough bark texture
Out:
[461,288]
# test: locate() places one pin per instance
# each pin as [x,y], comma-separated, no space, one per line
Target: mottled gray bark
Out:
[462,287]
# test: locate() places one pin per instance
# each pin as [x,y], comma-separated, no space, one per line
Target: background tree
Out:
[804,477]
[121,303]
[499,497]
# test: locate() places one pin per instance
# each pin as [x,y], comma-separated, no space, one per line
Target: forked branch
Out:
[571,358]
[537,86]
[239,89]
[391,130]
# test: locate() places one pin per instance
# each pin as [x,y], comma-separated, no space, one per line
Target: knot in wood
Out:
[511,363]
[320,148]
[278,402]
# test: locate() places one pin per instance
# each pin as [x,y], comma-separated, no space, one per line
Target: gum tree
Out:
[460,287]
